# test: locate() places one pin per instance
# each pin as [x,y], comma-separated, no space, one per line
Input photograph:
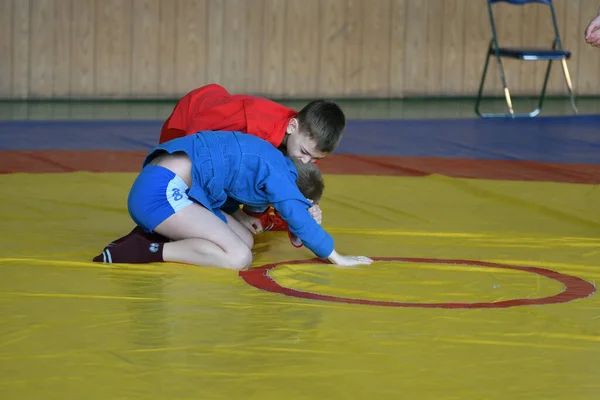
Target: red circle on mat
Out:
[576,288]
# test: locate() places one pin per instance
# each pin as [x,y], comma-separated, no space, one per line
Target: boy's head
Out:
[315,132]
[309,181]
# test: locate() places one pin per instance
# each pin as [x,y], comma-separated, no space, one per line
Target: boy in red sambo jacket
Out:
[308,135]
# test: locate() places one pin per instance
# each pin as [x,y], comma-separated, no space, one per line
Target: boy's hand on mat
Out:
[250,223]
[348,261]
[316,213]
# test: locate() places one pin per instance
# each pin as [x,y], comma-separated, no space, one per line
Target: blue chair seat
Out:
[533,54]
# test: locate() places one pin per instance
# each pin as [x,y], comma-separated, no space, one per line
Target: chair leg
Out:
[505,86]
[569,84]
[506,90]
[482,83]
[509,102]
[491,52]
[543,93]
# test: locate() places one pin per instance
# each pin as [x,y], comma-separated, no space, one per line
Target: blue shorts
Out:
[156,194]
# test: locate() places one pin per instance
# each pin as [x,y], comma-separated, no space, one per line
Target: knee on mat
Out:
[240,258]
[249,239]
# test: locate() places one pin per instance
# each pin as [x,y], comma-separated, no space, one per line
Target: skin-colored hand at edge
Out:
[249,222]
[592,32]
[316,212]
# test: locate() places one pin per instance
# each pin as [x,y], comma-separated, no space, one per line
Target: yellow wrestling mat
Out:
[73,329]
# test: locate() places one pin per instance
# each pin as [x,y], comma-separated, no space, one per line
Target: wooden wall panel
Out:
[273,47]
[253,47]
[83,50]
[191,57]
[144,49]
[6,46]
[301,63]
[113,48]
[281,48]
[21,61]
[167,50]
[375,52]
[235,31]
[215,43]
[416,72]
[453,44]
[433,50]
[397,47]
[477,40]
[62,48]
[41,48]
[353,61]
[332,39]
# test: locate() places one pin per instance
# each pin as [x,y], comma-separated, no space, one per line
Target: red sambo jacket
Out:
[211,107]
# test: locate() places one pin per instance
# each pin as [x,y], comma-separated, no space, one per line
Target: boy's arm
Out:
[287,199]
[313,236]
[295,212]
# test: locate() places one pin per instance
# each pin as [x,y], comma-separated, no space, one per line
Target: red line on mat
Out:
[131,161]
[576,288]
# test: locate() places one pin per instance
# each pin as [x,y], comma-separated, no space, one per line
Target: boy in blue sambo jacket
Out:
[186,181]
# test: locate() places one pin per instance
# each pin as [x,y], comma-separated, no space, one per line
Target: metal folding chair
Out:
[554,54]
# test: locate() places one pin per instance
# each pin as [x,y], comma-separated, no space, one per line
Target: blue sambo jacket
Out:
[251,171]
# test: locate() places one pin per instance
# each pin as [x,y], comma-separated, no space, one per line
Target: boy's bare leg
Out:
[199,237]
[241,231]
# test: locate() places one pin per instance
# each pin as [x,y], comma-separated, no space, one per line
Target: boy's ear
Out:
[292,126]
